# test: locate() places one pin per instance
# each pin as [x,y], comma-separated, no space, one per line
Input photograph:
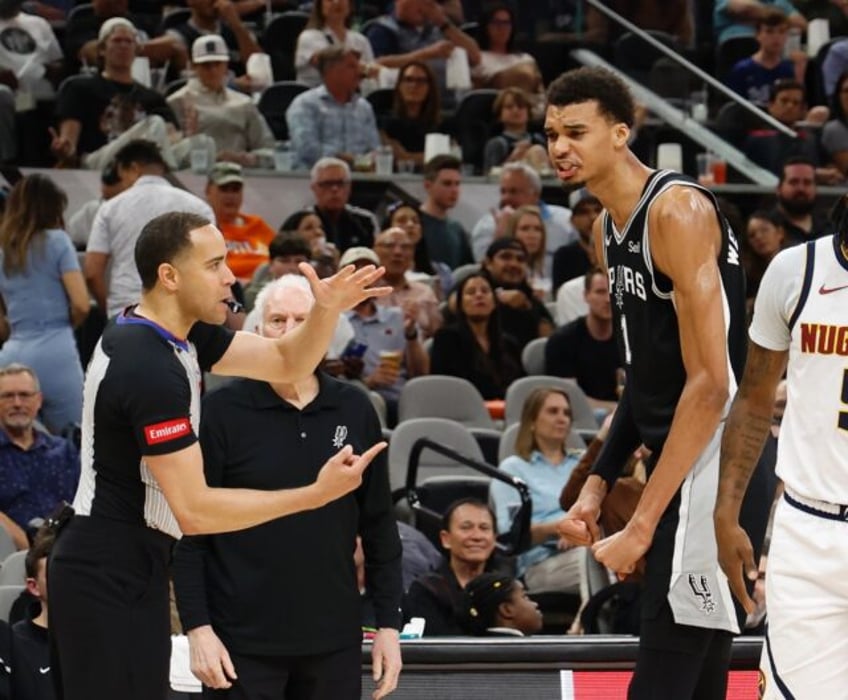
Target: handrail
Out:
[692,68]
[685,123]
[519,534]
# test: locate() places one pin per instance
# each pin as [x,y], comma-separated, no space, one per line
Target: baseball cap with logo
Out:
[208,48]
[357,253]
[224,172]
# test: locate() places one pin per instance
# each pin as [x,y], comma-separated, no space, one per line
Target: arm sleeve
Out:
[495,153]
[309,42]
[98,239]
[211,343]
[482,235]
[504,497]
[377,527]
[259,134]
[777,297]
[302,122]
[382,40]
[190,553]
[561,353]
[156,398]
[65,254]
[622,439]
[446,353]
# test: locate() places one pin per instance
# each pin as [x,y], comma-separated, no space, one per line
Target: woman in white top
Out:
[500,64]
[329,26]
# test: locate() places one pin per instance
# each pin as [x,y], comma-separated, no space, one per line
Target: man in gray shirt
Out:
[109,268]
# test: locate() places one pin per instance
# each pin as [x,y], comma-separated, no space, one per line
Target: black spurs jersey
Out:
[644,314]
[141,397]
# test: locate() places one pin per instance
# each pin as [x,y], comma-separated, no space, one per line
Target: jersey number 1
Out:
[627,354]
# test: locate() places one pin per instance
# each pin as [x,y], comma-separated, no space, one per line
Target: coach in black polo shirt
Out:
[278,605]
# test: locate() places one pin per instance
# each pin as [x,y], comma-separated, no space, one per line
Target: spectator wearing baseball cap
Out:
[98,117]
[522,314]
[219,19]
[247,235]
[85,33]
[394,351]
[205,105]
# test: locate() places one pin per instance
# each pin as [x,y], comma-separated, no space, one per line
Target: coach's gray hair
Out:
[280,284]
[328,162]
[531,175]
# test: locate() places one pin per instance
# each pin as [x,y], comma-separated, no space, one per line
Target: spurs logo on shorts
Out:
[340,436]
[701,588]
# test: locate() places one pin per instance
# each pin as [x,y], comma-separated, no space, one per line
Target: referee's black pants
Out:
[109,620]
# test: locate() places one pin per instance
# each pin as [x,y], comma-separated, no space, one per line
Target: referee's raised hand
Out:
[342,473]
[347,288]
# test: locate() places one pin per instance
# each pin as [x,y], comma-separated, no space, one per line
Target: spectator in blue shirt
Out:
[37,470]
[333,119]
[544,463]
[753,77]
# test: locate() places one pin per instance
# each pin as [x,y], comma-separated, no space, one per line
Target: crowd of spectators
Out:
[465,302]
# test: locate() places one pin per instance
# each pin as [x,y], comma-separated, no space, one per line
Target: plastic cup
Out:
[199,159]
[705,169]
[384,160]
[719,168]
[390,359]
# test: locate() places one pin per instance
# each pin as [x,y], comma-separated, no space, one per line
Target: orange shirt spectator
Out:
[247,235]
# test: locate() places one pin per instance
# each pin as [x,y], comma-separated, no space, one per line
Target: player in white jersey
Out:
[800,325]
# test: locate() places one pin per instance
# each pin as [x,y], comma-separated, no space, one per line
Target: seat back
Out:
[381,101]
[636,57]
[174,18]
[443,396]
[7,544]
[8,596]
[446,432]
[730,51]
[13,569]
[279,41]
[582,415]
[274,102]
[474,123]
[533,356]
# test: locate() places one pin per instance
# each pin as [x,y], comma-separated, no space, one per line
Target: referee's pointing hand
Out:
[342,473]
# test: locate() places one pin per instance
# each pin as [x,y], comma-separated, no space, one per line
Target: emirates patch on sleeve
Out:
[169,430]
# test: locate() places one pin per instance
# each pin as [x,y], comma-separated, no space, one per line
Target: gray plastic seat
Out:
[446,432]
[533,356]
[13,569]
[442,396]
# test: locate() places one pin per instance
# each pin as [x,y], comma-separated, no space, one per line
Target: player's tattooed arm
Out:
[744,434]
[748,424]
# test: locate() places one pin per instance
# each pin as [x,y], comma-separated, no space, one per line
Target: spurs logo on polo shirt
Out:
[168,430]
[340,436]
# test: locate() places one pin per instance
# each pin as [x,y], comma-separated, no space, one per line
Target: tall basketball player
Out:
[800,324]
[678,303]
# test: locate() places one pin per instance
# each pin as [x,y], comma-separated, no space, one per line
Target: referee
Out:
[142,483]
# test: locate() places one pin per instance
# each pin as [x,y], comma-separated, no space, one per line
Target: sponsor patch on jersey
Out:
[168,430]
